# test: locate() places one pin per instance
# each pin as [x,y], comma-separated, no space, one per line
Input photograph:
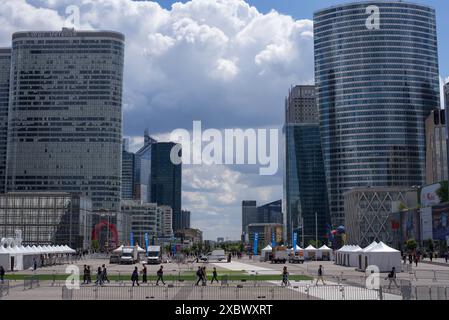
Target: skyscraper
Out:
[128,159]
[436,153]
[65,118]
[377,80]
[305,196]
[185,219]
[5,68]
[165,182]
[249,215]
[142,170]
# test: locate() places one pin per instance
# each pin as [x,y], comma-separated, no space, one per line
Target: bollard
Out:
[434,276]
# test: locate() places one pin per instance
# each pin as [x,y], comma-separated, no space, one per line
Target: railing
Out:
[4,288]
[239,292]
[30,282]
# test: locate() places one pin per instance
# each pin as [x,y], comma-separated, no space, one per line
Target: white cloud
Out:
[219,61]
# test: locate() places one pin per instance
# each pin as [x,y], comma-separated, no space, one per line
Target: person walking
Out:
[85,274]
[285,281]
[320,275]
[160,276]
[445,256]
[416,258]
[144,274]
[135,277]
[199,273]
[105,275]
[404,258]
[34,264]
[431,256]
[99,280]
[410,258]
[204,276]
[392,278]
[2,274]
[214,276]
[89,275]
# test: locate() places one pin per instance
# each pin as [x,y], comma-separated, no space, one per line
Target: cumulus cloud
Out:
[219,61]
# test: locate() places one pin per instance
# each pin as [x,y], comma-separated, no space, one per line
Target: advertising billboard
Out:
[440,219]
[429,195]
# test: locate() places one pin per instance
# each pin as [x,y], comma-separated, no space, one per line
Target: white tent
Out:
[310,252]
[268,248]
[325,253]
[118,250]
[265,253]
[382,256]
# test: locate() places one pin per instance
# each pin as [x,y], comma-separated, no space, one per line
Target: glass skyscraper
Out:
[65,114]
[128,159]
[142,170]
[5,68]
[377,80]
[304,184]
[165,182]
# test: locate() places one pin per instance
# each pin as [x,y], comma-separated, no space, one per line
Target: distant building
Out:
[249,215]
[436,147]
[128,160]
[265,232]
[142,170]
[368,212]
[190,235]
[47,218]
[5,70]
[446,107]
[167,221]
[185,219]
[220,240]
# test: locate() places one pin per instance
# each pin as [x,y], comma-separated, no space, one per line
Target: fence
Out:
[4,288]
[30,282]
[239,292]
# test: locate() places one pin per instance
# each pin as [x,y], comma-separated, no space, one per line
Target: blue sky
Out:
[303,9]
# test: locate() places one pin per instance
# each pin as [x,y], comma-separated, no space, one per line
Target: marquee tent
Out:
[325,253]
[382,256]
[310,253]
[265,253]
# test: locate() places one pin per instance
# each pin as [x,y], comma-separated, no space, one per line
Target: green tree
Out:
[411,245]
[443,192]
[315,244]
[95,245]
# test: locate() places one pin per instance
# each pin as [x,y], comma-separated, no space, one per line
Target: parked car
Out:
[295,259]
[114,259]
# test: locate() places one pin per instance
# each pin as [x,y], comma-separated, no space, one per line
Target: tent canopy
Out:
[371,246]
[267,248]
[310,248]
[325,248]
[382,247]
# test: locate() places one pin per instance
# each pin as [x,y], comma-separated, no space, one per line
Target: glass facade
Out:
[166,180]
[128,160]
[5,67]
[270,212]
[65,118]
[375,88]
[142,170]
[47,218]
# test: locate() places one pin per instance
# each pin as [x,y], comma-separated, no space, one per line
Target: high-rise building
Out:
[270,212]
[166,213]
[185,219]
[5,68]
[142,170]
[306,210]
[128,160]
[446,107]
[377,80]
[436,153]
[144,219]
[165,181]
[65,114]
[249,215]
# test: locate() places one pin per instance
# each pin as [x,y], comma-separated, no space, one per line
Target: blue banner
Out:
[256,240]
[146,242]
[273,240]
[295,240]
[131,239]
[173,249]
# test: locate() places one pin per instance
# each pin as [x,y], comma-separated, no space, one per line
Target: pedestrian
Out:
[214,276]
[89,275]
[392,278]
[320,275]
[135,277]
[144,274]
[416,258]
[99,280]
[34,264]
[160,276]
[285,281]
[203,276]
[431,256]
[105,274]
[404,258]
[410,258]
[85,274]
[2,274]
[199,274]
[229,257]
[445,256]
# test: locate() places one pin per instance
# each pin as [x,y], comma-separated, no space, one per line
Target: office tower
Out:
[142,170]
[270,212]
[185,219]
[65,118]
[5,68]
[377,81]
[306,210]
[47,218]
[166,213]
[143,218]
[446,107]
[249,215]
[436,153]
[128,159]
[165,181]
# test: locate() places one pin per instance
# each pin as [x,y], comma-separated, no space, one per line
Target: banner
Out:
[295,239]
[256,240]
[146,242]
[131,239]
[273,240]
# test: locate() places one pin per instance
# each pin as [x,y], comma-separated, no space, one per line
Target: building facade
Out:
[142,170]
[5,68]
[166,213]
[249,215]
[265,232]
[165,182]
[436,147]
[47,218]
[128,160]
[368,212]
[65,114]
[189,235]
[377,81]
[185,219]
[270,212]
[305,191]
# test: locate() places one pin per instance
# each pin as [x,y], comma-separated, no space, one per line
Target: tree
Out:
[443,191]
[315,244]
[95,245]
[411,245]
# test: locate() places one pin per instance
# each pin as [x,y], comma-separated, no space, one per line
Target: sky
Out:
[227,63]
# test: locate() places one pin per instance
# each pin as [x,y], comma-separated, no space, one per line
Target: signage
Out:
[131,239]
[295,239]
[146,242]
[256,240]
[429,195]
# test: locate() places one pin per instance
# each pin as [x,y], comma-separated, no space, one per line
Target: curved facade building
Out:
[65,114]
[376,73]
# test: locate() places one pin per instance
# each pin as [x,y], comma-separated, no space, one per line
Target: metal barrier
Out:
[30,282]
[239,292]
[4,288]
[429,293]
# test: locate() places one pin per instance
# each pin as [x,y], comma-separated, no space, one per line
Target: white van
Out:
[215,255]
